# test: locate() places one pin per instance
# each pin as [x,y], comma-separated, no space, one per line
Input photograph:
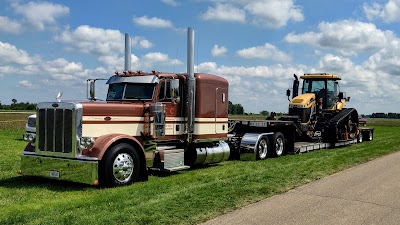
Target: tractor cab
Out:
[324,86]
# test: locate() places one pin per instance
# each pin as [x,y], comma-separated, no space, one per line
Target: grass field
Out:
[188,197]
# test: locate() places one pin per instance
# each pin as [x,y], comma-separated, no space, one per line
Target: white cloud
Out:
[40,14]
[218,51]
[107,45]
[346,36]
[156,59]
[9,54]
[93,40]
[388,13]
[266,51]
[224,12]
[99,41]
[274,13]
[153,22]
[335,64]
[386,60]
[172,3]
[264,13]
[26,84]
[9,26]
[141,42]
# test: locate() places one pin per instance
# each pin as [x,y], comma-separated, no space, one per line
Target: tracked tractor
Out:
[319,110]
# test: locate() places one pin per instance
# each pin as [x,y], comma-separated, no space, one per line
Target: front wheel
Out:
[120,166]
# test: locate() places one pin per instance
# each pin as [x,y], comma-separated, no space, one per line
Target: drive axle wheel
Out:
[277,144]
[262,148]
[120,166]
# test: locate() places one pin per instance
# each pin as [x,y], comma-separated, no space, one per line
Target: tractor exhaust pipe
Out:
[191,85]
[127,52]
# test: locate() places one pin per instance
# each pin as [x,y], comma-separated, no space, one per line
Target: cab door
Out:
[170,96]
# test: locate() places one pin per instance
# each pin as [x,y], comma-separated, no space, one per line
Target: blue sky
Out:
[48,47]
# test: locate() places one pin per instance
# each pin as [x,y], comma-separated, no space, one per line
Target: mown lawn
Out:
[188,197]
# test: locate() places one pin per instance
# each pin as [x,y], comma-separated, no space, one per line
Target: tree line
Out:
[15,105]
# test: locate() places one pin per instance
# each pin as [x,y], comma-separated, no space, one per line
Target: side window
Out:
[169,90]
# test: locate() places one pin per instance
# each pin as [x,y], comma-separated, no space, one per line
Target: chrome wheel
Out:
[262,149]
[360,137]
[123,167]
[279,146]
[371,135]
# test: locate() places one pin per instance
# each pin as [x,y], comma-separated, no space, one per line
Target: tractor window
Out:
[332,93]
[313,86]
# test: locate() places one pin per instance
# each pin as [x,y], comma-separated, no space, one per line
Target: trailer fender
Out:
[254,146]
[106,142]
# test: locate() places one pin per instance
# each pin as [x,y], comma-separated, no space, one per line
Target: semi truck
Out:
[162,122]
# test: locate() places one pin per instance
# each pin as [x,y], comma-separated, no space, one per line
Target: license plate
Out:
[54,174]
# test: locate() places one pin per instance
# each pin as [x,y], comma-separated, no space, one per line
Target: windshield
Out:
[313,86]
[130,91]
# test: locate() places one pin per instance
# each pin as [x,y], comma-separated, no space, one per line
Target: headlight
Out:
[31,137]
[86,142]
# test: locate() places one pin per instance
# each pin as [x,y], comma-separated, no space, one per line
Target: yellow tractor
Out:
[319,111]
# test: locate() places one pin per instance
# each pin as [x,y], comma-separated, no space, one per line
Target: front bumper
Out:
[81,171]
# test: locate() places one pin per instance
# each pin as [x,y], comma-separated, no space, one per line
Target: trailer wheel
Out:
[262,148]
[360,137]
[121,166]
[370,135]
[277,144]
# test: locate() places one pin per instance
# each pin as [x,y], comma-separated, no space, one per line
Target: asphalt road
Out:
[366,194]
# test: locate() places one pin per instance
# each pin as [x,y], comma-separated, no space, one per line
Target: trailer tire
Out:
[360,137]
[277,141]
[262,149]
[370,135]
[120,166]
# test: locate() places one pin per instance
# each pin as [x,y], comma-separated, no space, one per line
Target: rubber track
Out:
[330,134]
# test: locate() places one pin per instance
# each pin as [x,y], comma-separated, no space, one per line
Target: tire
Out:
[277,141]
[262,148]
[371,135]
[360,137]
[120,166]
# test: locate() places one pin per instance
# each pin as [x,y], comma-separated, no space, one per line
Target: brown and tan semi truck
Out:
[151,122]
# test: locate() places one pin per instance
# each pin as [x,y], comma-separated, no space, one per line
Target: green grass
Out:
[187,197]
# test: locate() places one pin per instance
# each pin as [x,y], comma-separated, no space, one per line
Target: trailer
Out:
[282,137]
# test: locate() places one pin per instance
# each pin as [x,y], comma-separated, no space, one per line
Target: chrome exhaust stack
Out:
[191,85]
[127,52]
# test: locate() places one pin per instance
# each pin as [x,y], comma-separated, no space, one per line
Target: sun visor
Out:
[133,79]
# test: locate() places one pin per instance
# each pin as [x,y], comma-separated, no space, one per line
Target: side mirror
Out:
[91,89]
[341,96]
[288,94]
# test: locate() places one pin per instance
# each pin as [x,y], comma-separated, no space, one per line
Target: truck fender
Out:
[105,142]
[249,144]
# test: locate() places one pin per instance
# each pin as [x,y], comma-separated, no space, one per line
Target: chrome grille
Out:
[56,127]
[31,122]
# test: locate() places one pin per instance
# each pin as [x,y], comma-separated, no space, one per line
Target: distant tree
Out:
[264,113]
[236,109]
[239,110]
[230,107]
[14,100]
